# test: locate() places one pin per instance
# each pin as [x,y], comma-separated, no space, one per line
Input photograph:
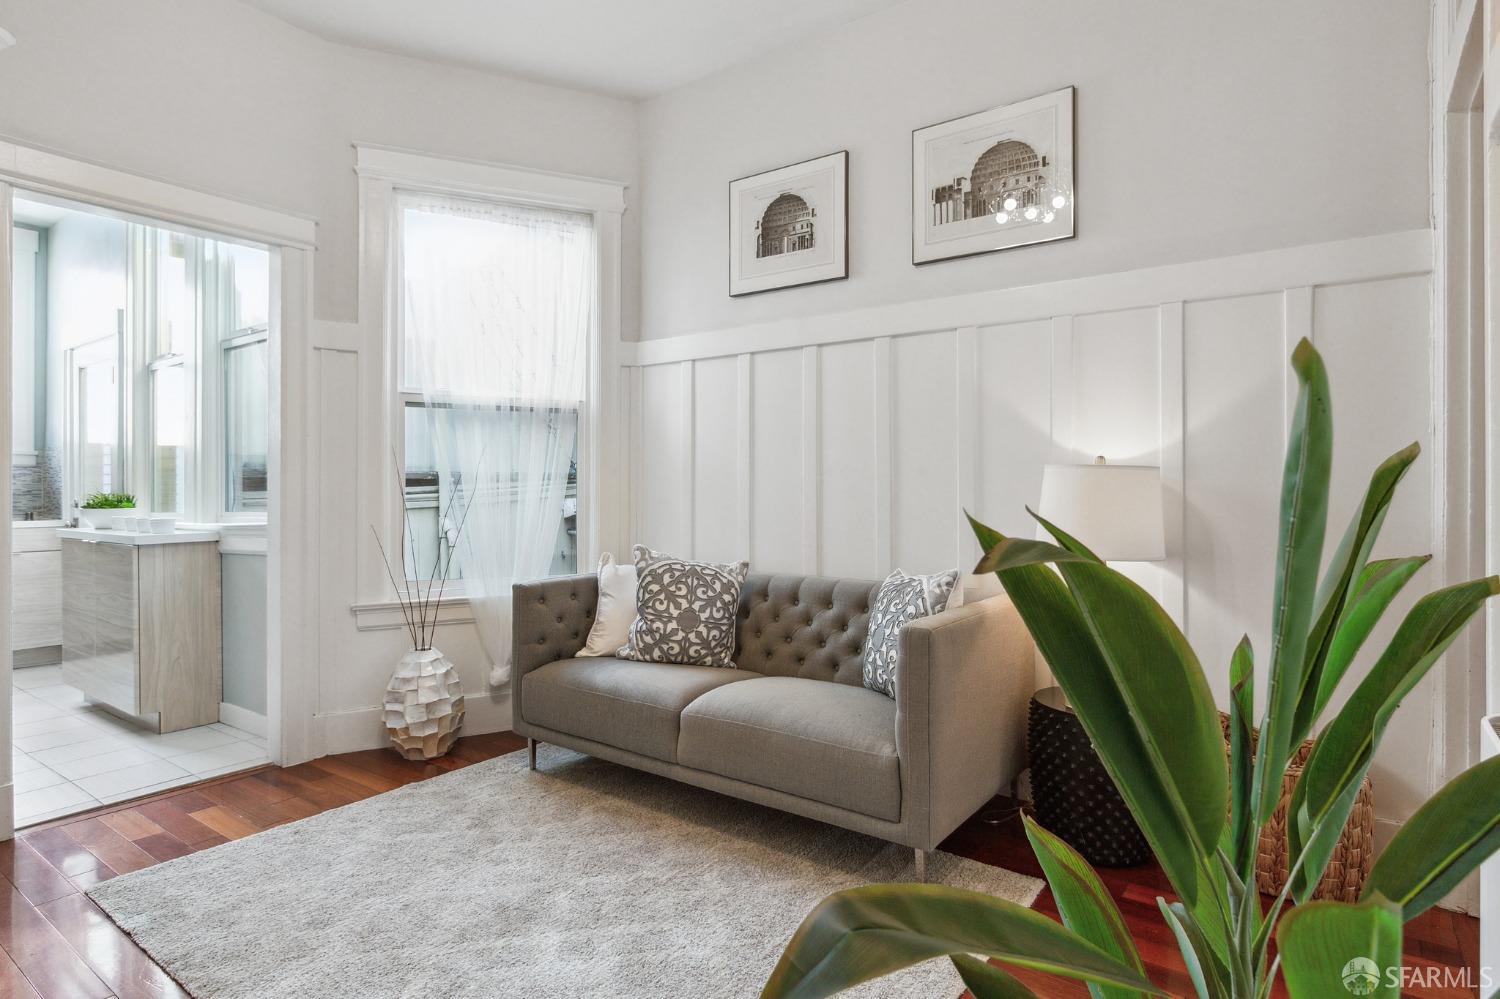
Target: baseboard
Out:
[364,728]
[7,810]
[45,655]
[243,719]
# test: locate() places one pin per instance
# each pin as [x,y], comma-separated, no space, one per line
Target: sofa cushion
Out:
[830,742]
[805,626]
[628,705]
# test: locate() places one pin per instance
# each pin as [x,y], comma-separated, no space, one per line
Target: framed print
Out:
[790,226]
[993,180]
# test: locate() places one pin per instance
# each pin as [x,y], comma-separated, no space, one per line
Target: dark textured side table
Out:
[1072,792]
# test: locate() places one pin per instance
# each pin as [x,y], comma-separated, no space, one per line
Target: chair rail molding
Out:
[1319,264]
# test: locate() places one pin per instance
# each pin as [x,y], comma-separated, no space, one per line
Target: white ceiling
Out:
[629,48]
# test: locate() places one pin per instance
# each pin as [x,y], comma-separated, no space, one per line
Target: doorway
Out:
[139,424]
[290,698]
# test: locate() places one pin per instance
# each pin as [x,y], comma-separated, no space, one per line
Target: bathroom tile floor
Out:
[70,756]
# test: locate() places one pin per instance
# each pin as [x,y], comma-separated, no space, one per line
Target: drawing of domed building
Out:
[1009,167]
[785,227]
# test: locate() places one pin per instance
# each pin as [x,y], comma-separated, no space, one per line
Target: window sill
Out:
[385,615]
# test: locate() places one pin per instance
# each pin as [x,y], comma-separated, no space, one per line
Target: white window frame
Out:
[218,466]
[74,360]
[205,496]
[384,174]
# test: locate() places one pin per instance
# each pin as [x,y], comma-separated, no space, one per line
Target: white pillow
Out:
[616,610]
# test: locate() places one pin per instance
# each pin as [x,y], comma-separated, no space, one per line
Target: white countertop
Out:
[135,537]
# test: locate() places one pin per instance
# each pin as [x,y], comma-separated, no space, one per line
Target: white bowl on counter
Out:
[99,520]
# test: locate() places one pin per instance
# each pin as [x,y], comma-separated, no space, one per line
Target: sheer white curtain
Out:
[498,302]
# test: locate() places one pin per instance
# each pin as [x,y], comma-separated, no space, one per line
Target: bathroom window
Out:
[246,441]
[149,372]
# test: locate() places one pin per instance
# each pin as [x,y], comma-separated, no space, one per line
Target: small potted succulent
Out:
[97,509]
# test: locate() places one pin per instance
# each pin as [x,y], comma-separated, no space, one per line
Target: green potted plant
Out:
[1144,700]
[97,509]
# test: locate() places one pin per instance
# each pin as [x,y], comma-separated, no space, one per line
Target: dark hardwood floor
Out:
[56,944]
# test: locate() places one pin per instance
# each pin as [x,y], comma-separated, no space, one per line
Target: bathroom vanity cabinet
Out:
[141,624]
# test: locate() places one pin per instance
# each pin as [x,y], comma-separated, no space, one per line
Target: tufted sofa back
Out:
[807,626]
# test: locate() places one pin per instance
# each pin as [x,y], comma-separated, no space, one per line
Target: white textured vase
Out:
[424,705]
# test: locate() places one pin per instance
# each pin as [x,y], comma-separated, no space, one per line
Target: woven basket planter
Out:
[1353,854]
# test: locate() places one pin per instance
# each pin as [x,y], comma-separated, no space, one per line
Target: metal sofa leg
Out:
[921,865]
[531,752]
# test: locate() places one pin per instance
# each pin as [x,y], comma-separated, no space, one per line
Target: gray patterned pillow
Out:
[901,600]
[685,611]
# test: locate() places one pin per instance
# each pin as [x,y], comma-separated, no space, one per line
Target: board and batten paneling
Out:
[849,444]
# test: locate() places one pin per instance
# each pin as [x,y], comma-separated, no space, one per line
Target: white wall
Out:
[216,95]
[1202,130]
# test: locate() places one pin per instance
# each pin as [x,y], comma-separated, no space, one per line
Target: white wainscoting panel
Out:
[665,470]
[776,483]
[336,381]
[716,481]
[1015,436]
[849,444]
[1233,400]
[846,486]
[924,460]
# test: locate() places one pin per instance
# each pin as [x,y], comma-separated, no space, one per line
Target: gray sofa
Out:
[793,727]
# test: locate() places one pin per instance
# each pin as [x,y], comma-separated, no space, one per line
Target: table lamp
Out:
[1115,510]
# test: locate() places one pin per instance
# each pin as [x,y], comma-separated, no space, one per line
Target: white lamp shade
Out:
[1115,510]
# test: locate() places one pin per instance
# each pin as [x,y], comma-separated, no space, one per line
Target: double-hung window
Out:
[244,302]
[494,304]
[197,356]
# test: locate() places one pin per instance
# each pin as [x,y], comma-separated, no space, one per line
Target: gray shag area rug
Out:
[583,879]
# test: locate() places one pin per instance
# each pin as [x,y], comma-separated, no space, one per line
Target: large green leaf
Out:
[1304,519]
[985,981]
[1159,677]
[1379,582]
[1334,595]
[1057,625]
[1242,826]
[1210,980]
[1342,755]
[1335,949]
[1085,904]
[1012,553]
[861,934]
[1442,843]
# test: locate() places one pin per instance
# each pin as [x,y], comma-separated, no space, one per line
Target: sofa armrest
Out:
[550,620]
[961,694]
